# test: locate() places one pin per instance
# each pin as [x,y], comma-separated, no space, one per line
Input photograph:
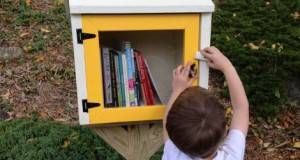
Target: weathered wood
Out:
[135,142]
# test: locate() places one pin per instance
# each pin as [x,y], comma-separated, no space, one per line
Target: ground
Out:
[41,82]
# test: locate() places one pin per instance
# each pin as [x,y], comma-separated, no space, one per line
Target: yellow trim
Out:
[95,23]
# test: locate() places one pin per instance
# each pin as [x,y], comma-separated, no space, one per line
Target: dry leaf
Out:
[58,2]
[296,145]
[6,95]
[45,30]
[253,46]
[227,38]
[296,15]
[24,34]
[66,144]
[39,58]
[267,144]
[271,149]
[28,2]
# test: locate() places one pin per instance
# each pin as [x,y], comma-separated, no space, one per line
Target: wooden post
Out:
[135,142]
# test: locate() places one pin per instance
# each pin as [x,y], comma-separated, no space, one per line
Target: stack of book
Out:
[127,80]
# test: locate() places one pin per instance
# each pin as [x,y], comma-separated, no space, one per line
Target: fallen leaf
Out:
[6,95]
[267,144]
[28,2]
[24,34]
[296,145]
[271,149]
[39,58]
[45,30]
[227,38]
[253,46]
[58,2]
[295,15]
[66,144]
[268,3]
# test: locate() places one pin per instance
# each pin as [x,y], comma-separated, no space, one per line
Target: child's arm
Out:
[180,82]
[239,101]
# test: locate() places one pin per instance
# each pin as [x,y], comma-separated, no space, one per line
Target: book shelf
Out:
[166,35]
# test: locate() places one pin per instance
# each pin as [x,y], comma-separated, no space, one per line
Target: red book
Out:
[148,83]
[145,81]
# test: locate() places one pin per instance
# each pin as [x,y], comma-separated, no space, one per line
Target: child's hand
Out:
[216,59]
[181,79]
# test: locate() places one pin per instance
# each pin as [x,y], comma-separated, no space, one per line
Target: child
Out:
[195,125]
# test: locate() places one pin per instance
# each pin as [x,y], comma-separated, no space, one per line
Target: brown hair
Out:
[196,122]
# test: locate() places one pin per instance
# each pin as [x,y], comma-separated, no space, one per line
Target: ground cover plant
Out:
[261,37]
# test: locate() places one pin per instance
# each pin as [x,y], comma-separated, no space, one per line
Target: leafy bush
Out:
[262,39]
[42,140]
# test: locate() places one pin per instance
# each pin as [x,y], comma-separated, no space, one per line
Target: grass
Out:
[42,140]
[261,39]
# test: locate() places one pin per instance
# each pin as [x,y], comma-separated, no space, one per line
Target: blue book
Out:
[130,73]
[122,85]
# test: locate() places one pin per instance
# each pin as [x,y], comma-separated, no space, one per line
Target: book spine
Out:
[117,69]
[153,85]
[125,77]
[113,80]
[142,79]
[122,87]
[107,77]
[137,81]
[150,97]
[131,76]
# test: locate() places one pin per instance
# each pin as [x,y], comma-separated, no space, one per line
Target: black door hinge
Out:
[83,36]
[87,105]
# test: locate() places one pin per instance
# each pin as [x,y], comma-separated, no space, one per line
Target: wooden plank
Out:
[135,142]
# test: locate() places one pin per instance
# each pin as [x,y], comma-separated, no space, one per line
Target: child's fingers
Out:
[209,50]
[178,69]
[207,55]
[174,73]
[187,69]
[210,64]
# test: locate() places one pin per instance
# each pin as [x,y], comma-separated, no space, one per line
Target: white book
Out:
[125,79]
[107,76]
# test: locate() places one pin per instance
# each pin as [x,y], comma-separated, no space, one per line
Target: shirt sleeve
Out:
[171,152]
[234,144]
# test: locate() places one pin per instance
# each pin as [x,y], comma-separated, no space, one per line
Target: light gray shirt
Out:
[233,148]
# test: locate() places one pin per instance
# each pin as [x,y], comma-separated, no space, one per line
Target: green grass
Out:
[42,140]
[267,67]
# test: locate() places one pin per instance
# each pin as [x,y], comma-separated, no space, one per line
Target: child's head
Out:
[196,122]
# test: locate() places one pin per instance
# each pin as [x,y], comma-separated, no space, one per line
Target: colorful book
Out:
[130,73]
[113,80]
[137,82]
[108,100]
[118,78]
[125,80]
[122,87]
[153,85]
[144,81]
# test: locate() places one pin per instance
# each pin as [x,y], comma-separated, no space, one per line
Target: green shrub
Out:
[42,140]
[262,39]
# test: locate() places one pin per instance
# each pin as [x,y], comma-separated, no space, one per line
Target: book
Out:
[108,98]
[146,90]
[137,82]
[122,87]
[130,73]
[118,78]
[113,80]
[150,97]
[153,85]
[125,79]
